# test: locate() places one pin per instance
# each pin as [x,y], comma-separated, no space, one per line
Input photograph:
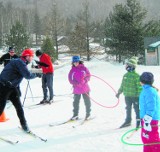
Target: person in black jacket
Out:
[8,56]
[10,79]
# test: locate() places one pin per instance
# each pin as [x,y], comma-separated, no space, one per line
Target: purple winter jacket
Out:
[79,77]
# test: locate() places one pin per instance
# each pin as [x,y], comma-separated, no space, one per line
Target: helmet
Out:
[28,52]
[147,78]
[75,59]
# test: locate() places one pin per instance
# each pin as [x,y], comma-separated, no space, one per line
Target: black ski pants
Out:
[12,94]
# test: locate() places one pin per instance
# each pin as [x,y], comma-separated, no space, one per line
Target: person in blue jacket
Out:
[149,103]
[10,79]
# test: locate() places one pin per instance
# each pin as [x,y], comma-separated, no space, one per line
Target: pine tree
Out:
[17,37]
[124,28]
[48,48]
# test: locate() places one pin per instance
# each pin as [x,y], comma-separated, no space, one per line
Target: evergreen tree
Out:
[37,27]
[17,37]
[124,29]
[48,48]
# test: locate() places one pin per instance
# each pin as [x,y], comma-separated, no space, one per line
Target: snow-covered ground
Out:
[97,135]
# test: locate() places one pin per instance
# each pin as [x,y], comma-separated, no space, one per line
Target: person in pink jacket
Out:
[79,76]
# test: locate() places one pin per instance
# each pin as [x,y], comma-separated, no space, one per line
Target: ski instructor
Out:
[10,79]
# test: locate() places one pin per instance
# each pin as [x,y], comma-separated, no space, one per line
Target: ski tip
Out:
[17,142]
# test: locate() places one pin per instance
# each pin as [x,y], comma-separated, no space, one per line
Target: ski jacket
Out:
[79,77]
[15,71]
[149,102]
[6,58]
[45,58]
[130,85]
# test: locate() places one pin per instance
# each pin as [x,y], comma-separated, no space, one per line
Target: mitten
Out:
[147,122]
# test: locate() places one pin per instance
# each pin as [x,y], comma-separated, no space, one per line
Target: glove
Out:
[42,64]
[147,123]
[39,75]
[117,95]
[35,66]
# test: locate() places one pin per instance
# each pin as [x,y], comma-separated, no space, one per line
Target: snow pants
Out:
[129,102]
[13,94]
[150,138]
[76,101]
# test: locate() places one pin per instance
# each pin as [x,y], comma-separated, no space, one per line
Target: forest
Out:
[43,22]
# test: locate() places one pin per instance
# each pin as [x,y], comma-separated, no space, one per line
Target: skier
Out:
[79,76]
[8,56]
[10,79]
[47,78]
[131,88]
[149,102]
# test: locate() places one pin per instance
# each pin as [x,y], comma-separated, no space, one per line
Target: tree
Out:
[37,25]
[124,29]
[48,48]
[77,40]
[17,37]
[82,32]
[54,25]
[1,23]
[152,28]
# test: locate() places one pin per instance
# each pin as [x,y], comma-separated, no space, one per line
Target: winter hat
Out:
[75,59]
[147,78]
[27,52]
[10,49]
[132,62]
[38,53]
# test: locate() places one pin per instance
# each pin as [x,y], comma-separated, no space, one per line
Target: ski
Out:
[63,122]
[33,135]
[9,141]
[41,104]
[83,122]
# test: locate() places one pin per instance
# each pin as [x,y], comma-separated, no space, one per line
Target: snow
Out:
[97,135]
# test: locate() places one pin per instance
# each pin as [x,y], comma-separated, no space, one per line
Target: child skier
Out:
[149,102]
[131,88]
[79,76]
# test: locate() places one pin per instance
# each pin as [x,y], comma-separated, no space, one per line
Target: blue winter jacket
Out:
[15,71]
[149,102]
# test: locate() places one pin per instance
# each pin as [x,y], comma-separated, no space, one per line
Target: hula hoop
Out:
[134,144]
[127,143]
[110,87]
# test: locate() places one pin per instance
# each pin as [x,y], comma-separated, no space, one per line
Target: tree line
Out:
[122,31]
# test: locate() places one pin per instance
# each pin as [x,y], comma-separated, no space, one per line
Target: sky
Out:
[97,135]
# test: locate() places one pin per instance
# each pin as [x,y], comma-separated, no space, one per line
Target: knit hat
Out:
[75,59]
[10,49]
[132,61]
[38,53]
[147,78]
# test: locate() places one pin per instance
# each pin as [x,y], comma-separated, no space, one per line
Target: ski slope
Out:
[97,135]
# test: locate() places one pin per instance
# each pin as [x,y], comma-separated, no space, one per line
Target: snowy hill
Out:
[97,135]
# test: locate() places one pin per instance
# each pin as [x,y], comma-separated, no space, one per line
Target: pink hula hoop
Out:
[110,87]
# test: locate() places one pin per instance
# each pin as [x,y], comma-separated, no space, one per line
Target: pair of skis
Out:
[80,122]
[30,133]
[41,104]
[9,141]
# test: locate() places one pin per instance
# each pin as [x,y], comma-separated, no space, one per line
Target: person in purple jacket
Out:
[79,76]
